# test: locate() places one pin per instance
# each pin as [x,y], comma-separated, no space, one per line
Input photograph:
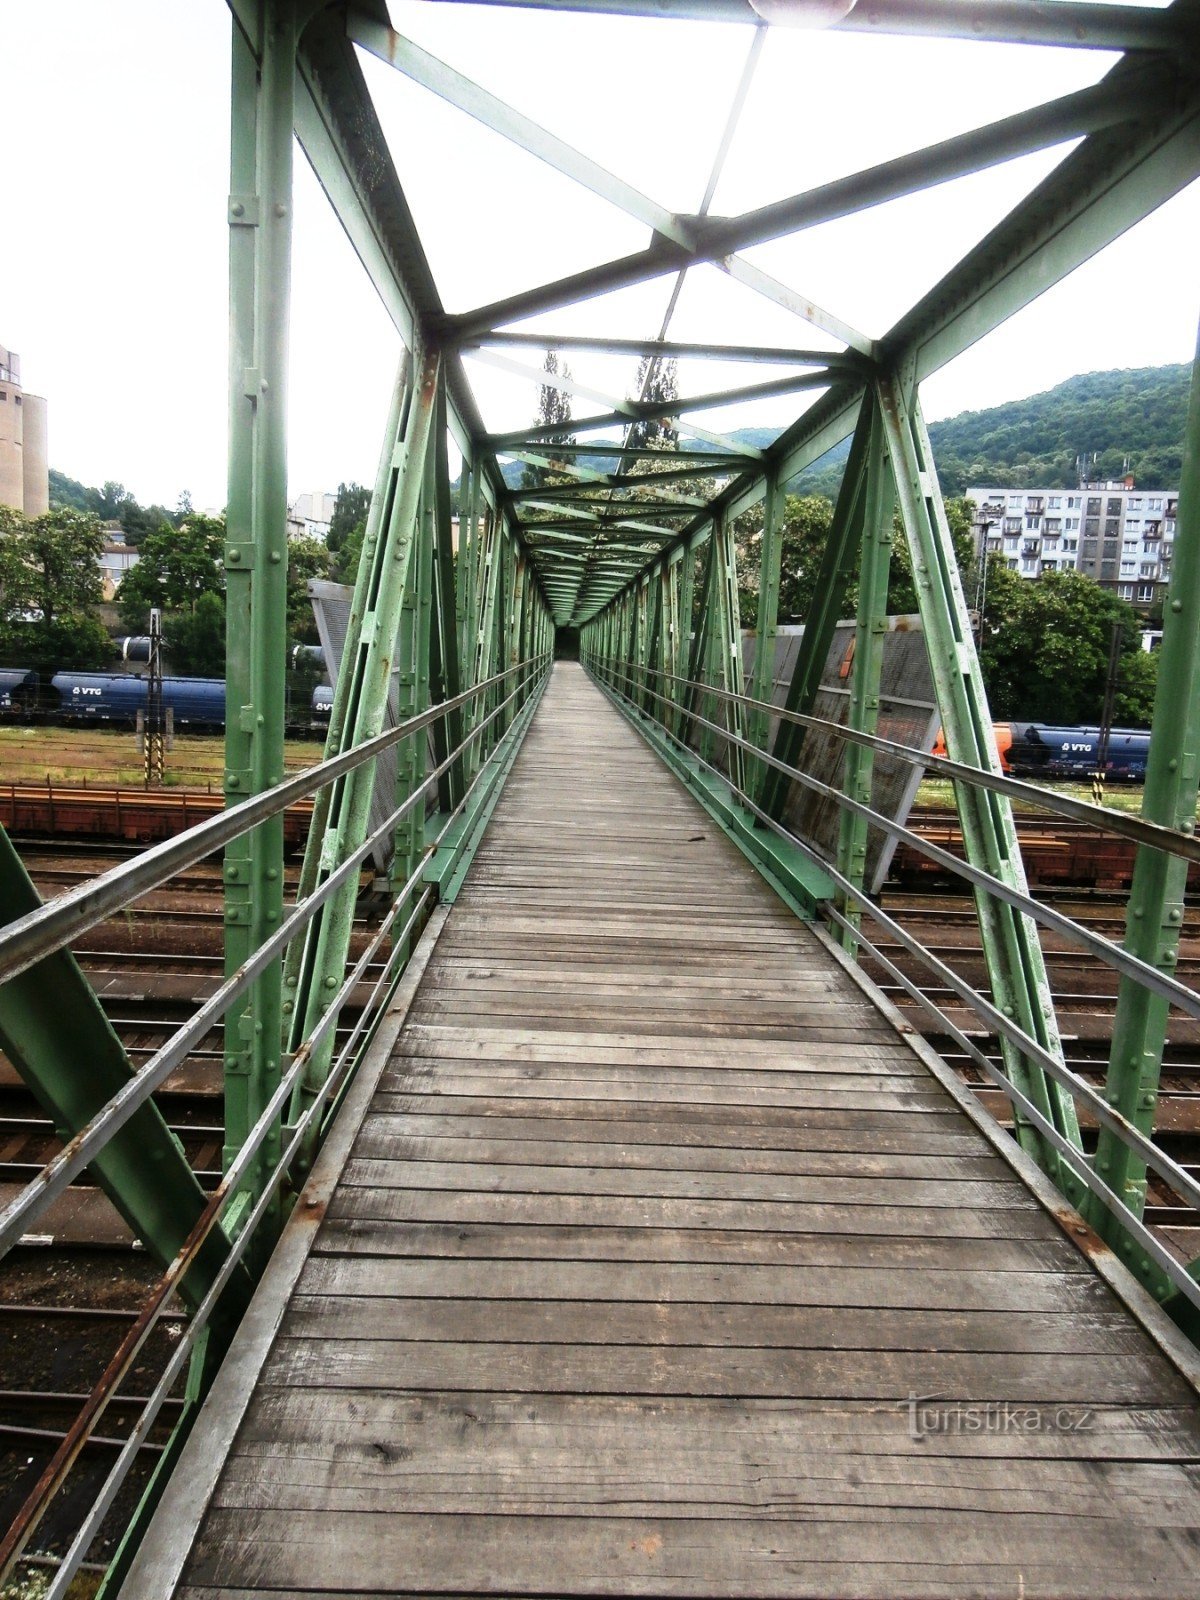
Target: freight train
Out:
[1038,750]
[113,700]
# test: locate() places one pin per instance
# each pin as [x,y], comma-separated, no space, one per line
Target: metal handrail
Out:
[1169,989]
[25,941]
[87,1143]
[1170,1171]
[116,1112]
[1184,843]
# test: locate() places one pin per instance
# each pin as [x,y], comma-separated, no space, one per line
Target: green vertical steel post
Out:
[728,649]
[345,688]
[445,679]
[260,219]
[698,645]
[1154,919]
[487,574]
[1012,952]
[829,595]
[467,488]
[766,629]
[869,635]
[369,662]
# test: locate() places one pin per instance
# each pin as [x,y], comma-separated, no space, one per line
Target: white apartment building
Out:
[1115,533]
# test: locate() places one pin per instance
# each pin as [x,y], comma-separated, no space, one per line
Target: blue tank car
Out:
[18,692]
[115,699]
[1072,752]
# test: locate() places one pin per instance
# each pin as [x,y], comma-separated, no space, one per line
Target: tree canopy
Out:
[50,590]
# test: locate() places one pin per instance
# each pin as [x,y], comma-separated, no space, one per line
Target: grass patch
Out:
[1127,797]
[108,757]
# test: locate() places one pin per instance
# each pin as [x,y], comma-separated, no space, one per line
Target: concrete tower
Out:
[24,447]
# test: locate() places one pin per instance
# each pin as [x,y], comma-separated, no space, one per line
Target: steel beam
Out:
[387,566]
[1154,920]
[869,634]
[833,579]
[260,237]
[1012,952]
[57,1036]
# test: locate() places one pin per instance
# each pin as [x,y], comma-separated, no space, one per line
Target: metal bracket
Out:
[243,211]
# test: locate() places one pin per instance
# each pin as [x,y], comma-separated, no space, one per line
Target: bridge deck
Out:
[652,1226]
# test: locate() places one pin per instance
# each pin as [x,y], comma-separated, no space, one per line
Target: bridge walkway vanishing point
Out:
[634,1240]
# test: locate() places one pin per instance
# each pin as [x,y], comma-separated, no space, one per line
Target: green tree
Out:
[658,382]
[50,589]
[307,559]
[807,520]
[553,411]
[196,638]
[1046,644]
[175,567]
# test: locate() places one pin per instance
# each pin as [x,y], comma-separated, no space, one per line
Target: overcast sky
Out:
[113,276]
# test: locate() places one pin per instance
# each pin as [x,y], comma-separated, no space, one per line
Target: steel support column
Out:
[1016,967]
[766,628]
[260,219]
[387,562]
[869,634]
[1154,920]
[833,579]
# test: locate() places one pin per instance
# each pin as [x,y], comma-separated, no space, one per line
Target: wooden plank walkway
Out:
[650,1232]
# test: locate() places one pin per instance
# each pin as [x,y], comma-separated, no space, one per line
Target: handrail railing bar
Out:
[199,1319]
[60,921]
[1179,1180]
[71,1160]
[1100,817]
[135,1338]
[1073,1158]
[1169,989]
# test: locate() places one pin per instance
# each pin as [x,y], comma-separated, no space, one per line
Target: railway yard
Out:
[69,1292]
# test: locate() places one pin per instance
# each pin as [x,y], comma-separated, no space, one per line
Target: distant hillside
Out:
[1137,415]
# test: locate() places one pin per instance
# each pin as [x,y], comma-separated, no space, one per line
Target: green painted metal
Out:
[445,679]
[766,630]
[57,1036]
[260,229]
[388,559]
[833,580]
[1155,915]
[869,634]
[1015,964]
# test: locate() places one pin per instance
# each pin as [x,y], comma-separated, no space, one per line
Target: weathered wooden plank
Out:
[705,1284]
[654,1235]
[376,1173]
[345,1234]
[639,1211]
[913,1553]
[823,1328]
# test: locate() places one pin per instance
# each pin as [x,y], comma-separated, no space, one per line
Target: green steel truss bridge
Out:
[631,1242]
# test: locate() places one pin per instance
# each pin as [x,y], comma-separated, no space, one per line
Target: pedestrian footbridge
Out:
[587,1222]
[650,1255]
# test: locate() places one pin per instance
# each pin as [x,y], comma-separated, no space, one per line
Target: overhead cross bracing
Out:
[1129,138]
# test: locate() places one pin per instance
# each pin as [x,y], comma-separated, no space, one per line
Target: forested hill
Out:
[1136,414]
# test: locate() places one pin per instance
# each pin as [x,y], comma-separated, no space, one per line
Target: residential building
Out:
[309,515]
[1117,534]
[116,560]
[24,444]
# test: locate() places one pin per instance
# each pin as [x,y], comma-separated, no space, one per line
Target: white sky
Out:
[113,278]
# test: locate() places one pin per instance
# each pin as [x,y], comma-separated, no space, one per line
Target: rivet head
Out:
[239,209]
